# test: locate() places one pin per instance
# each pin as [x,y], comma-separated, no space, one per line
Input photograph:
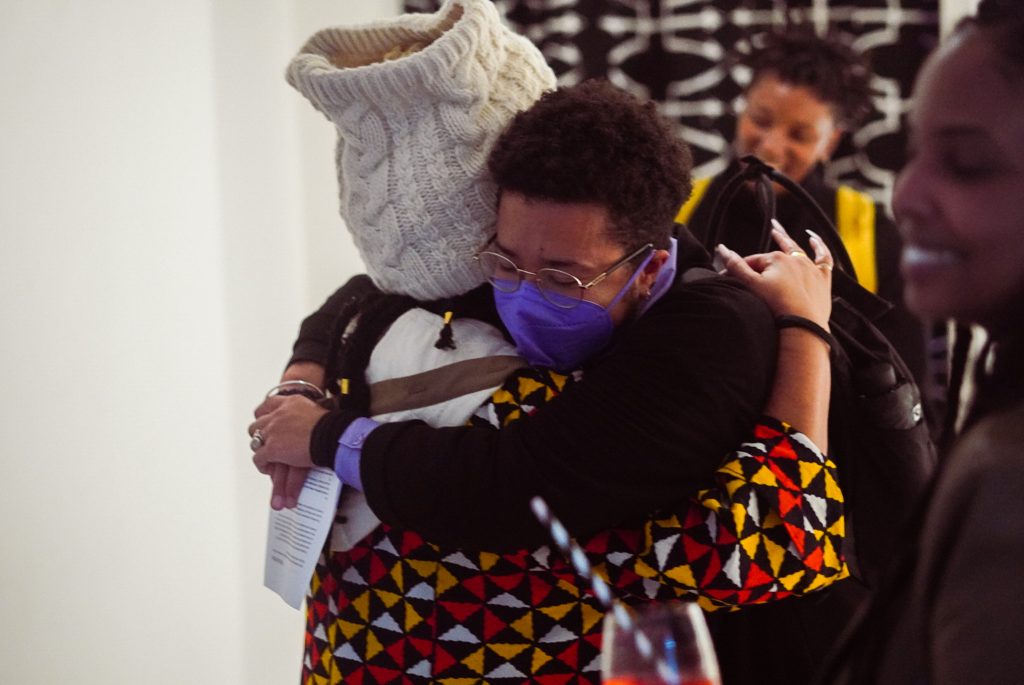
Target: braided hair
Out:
[356,331]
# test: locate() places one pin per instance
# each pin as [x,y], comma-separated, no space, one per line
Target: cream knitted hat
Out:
[414,133]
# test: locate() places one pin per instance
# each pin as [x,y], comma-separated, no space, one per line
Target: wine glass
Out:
[658,644]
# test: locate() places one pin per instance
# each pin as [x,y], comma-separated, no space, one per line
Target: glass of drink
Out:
[667,644]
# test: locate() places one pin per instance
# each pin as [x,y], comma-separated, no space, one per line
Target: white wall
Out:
[163,195]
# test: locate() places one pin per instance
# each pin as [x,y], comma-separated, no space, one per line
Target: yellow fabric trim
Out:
[699,187]
[855,221]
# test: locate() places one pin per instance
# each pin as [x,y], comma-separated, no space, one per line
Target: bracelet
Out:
[793,321]
[297,387]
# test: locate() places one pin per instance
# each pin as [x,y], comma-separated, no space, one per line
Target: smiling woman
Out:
[959,195]
[787,125]
[955,610]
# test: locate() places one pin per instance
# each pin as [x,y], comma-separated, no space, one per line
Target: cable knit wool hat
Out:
[417,102]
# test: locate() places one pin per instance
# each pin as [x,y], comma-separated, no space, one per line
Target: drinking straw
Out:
[578,558]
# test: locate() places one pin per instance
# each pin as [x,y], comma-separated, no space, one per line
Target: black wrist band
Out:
[792,321]
[323,441]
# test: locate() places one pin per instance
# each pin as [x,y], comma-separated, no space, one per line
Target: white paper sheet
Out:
[296,536]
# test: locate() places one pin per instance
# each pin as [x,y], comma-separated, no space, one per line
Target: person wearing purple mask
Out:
[675,372]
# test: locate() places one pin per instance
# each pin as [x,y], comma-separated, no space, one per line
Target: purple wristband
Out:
[350,451]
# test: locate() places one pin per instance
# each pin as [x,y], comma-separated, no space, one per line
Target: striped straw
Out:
[575,554]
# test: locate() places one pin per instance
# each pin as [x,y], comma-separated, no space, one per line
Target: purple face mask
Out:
[552,336]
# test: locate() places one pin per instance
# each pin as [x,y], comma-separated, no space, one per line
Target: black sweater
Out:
[677,390]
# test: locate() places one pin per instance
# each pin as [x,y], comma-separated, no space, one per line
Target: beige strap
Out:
[441,384]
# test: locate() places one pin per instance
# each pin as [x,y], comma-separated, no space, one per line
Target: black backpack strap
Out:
[356,332]
[866,302]
[762,174]
[766,198]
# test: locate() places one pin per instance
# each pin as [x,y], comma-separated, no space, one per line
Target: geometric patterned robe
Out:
[398,609]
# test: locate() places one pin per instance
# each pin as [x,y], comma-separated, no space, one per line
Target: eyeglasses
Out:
[558,287]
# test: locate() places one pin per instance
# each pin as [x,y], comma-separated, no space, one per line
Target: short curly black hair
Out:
[827,65]
[594,143]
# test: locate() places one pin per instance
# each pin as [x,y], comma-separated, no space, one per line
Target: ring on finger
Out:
[825,265]
[797,253]
[257,440]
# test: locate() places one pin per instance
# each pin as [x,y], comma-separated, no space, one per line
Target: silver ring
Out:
[825,265]
[257,440]
[797,253]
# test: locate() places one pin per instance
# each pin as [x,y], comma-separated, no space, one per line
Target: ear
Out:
[832,143]
[645,281]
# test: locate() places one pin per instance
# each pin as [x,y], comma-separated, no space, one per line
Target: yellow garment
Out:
[855,221]
[700,186]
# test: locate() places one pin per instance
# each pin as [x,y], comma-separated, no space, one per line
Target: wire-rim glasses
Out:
[558,287]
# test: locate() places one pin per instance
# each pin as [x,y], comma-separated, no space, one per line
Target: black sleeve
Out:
[647,426]
[315,331]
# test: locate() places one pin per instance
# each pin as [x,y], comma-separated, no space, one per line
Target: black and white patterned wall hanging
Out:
[677,53]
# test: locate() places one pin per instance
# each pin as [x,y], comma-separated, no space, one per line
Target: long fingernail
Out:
[815,235]
[723,250]
[778,226]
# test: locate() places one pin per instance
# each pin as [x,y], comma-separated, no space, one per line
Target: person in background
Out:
[806,92]
[953,611]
